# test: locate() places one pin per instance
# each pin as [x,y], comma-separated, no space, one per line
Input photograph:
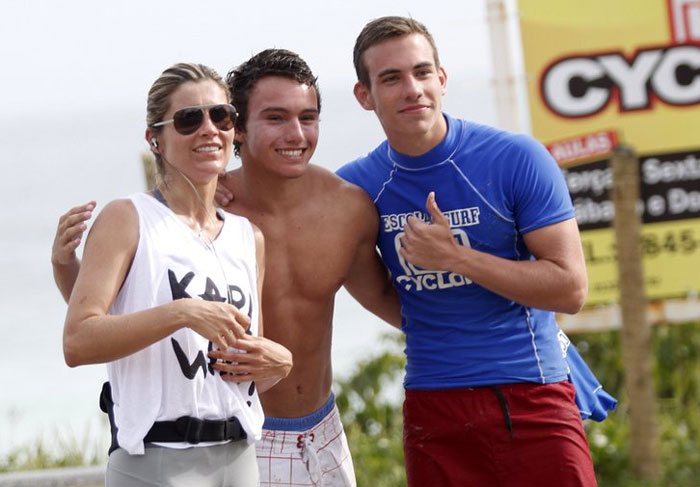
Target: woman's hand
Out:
[221,323]
[257,359]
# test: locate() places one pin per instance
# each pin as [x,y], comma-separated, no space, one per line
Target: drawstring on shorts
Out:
[504,408]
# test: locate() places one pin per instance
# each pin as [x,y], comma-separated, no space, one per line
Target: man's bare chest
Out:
[307,257]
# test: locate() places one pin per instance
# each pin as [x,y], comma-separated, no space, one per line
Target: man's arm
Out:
[368,280]
[555,281]
[69,234]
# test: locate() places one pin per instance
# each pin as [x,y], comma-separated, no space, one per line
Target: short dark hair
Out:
[271,62]
[381,29]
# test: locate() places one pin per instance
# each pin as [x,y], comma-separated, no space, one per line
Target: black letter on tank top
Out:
[211,293]
[189,370]
[249,331]
[212,360]
[251,391]
[239,300]
[177,288]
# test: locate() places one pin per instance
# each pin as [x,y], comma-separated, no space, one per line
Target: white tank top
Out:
[172,378]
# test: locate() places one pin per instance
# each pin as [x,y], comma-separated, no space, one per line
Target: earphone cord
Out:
[207,241]
[196,193]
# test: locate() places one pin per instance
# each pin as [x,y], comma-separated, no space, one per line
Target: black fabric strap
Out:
[185,429]
[107,406]
[194,430]
[159,196]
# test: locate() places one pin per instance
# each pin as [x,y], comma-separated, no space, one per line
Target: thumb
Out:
[436,215]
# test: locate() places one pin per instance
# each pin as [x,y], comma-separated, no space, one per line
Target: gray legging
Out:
[228,465]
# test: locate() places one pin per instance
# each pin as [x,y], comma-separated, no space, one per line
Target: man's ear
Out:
[239,137]
[442,76]
[363,95]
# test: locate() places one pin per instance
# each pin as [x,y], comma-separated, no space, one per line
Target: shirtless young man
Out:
[320,233]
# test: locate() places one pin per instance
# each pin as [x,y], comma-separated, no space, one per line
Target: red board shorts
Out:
[510,435]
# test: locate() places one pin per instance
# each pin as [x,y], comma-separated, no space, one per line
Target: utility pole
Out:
[503,63]
[636,329]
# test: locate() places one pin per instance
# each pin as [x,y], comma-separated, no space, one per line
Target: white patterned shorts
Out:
[307,451]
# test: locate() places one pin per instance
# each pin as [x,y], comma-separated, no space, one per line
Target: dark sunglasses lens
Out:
[223,116]
[188,120]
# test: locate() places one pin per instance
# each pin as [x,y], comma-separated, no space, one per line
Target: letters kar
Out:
[211,293]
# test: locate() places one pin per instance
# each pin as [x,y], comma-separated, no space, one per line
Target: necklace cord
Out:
[208,242]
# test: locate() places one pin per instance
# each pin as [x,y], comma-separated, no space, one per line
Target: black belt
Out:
[194,430]
[185,429]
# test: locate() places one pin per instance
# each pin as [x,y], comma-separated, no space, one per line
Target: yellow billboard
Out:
[627,71]
[613,65]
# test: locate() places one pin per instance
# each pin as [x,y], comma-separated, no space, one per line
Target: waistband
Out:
[302,423]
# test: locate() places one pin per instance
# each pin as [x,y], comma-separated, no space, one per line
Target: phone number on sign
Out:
[677,242]
[672,242]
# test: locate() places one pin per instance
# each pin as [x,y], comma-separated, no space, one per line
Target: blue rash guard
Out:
[493,187]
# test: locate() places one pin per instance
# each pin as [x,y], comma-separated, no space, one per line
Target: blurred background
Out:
[582,78]
[73,96]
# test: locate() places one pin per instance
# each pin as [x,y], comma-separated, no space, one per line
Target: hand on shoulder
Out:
[69,234]
[223,195]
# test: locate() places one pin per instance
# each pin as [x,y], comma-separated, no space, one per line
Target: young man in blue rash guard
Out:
[488,400]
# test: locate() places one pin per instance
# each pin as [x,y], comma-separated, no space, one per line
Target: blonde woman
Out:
[168,297]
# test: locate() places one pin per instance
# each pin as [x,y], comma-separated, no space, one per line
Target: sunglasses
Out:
[188,120]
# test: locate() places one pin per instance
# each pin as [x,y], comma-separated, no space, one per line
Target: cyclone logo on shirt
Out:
[421,279]
[415,278]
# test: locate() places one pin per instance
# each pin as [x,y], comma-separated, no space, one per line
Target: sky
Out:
[76,54]
[77,61]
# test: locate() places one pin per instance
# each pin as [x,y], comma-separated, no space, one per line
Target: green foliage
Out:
[67,452]
[677,380]
[370,408]
[373,420]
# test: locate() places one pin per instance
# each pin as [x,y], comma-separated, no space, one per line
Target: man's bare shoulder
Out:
[340,191]
[345,202]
